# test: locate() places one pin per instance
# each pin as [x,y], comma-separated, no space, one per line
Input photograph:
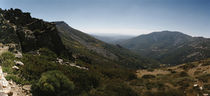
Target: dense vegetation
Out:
[48,77]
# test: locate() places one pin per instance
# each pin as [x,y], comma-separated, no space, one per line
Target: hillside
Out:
[169,47]
[189,79]
[57,60]
[79,42]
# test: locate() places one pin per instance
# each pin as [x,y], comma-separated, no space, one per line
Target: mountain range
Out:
[169,47]
[58,60]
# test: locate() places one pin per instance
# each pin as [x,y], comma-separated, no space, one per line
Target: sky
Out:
[124,17]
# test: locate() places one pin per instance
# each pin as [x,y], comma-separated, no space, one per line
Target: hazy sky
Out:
[130,17]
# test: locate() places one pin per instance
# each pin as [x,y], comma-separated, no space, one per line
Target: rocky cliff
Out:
[28,33]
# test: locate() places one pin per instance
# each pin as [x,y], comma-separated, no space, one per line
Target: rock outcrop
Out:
[28,33]
[10,88]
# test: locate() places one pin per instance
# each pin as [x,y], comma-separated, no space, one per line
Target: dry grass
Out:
[172,79]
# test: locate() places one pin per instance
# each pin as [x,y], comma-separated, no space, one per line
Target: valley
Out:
[53,59]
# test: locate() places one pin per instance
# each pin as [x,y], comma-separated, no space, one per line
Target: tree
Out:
[53,83]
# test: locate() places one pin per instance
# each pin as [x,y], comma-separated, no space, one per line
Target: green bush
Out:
[119,73]
[7,59]
[53,83]
[84,80]
[35,65]
[115,88]
[46,52]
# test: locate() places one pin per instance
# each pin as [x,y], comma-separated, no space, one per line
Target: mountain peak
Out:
[175,46]
[171,33]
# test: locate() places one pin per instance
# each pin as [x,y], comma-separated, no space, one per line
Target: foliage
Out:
[7,59]
[53,83]
[119,73]
[115,88]
[35,65]
[83,80]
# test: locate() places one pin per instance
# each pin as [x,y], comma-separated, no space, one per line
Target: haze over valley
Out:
[104,48]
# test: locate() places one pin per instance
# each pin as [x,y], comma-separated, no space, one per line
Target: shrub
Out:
[53,83]
[165,93]
[35,65]
[204,78]
[115,88]
[46,52]
[183,74]
[207,86]
[187,66]
[148,76]
[83,80]
[7,59]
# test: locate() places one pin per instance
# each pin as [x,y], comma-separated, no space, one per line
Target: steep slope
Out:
[169,47]
[28,33]
[85,44]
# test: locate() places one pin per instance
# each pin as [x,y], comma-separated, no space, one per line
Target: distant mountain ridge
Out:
[169,47]
[112,39]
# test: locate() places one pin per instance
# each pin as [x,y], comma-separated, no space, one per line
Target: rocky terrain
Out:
[9,87]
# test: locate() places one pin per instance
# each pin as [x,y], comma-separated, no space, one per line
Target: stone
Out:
[19,63]
[15,67]
[27,87]
[18,55]
[60,61]
[195,85]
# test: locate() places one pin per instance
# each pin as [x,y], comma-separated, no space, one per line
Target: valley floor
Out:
[191,79]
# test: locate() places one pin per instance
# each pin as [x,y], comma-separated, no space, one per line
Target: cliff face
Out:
[27,32]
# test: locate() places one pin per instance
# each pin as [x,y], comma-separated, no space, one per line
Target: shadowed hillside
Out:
[170,47]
